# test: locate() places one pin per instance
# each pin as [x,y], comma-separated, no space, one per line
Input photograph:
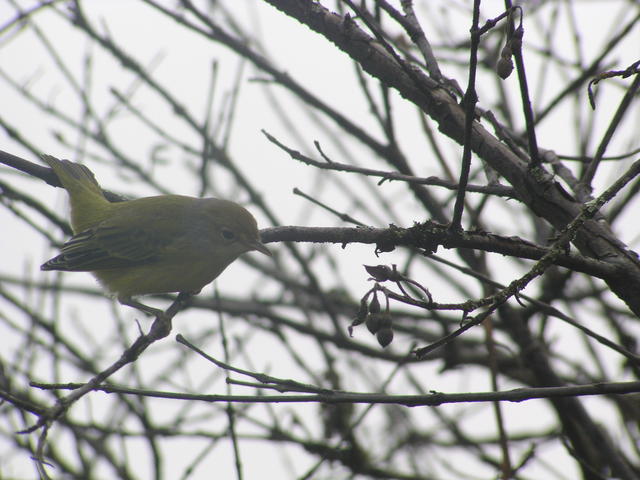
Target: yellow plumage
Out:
[167,243]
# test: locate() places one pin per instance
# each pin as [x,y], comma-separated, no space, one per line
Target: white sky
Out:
[185,67]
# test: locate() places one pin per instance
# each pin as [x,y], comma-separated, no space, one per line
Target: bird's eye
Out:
[228,234]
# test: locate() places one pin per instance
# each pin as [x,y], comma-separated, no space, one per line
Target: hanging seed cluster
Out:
[504,66]
[378,322]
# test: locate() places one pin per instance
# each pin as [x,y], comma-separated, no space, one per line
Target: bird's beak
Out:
[260,247]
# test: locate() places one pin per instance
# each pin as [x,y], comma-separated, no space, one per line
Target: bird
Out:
[158,244]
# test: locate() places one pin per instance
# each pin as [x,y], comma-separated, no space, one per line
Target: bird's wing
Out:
[106,247]
[118,242]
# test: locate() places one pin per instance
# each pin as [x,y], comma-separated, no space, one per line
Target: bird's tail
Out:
[75,178]
[85,194]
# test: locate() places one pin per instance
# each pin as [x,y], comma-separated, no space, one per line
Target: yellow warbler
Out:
[167,243]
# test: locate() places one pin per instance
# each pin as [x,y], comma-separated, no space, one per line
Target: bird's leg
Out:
[130,302]
[161,326]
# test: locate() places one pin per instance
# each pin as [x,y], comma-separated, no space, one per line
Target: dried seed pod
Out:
[385,320]
[506,51]
[504,67]
[361,316]
[380,273]
[374,305]
[384,336]
[516,40]
[373,322]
